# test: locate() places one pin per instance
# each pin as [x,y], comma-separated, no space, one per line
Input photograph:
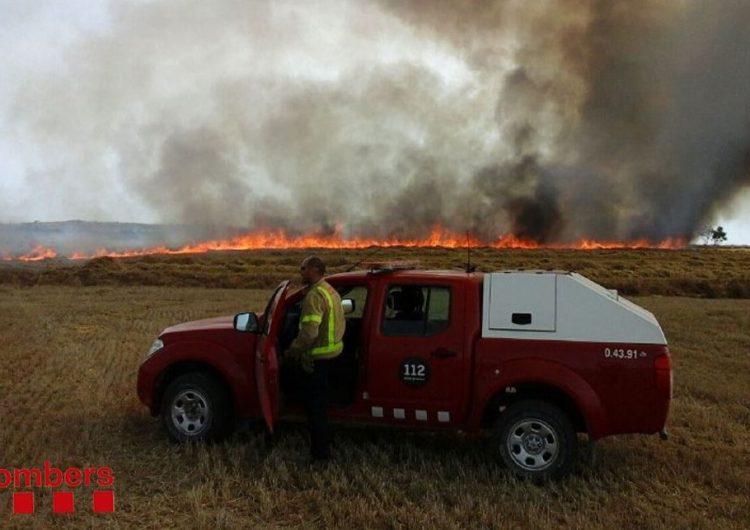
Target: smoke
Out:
[552,121]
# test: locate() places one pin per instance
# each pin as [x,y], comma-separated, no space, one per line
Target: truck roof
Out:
[410,273]
[426,274]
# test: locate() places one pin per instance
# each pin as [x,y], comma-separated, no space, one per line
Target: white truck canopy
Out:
[544,305]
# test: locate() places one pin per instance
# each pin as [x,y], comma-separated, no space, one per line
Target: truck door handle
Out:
[442,353]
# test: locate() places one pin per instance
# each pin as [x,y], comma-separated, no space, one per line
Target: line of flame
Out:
[280,240]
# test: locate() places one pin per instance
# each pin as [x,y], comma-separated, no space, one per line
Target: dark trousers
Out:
[316,406]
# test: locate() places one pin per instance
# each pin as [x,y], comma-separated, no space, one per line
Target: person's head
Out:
[311,270]
[412,299]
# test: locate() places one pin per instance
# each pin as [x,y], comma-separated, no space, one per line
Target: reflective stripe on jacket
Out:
[321,324]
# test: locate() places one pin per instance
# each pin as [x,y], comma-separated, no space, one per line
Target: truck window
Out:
[416,310]
[268,312]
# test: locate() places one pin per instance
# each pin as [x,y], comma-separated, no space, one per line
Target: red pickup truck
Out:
[534,356]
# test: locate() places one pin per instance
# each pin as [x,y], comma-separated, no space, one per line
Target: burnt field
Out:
[72,340]
[706,272]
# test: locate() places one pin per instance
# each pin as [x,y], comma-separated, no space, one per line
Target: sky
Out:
[47,42]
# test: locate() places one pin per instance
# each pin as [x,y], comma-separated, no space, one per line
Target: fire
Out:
[278,239]
[38,253]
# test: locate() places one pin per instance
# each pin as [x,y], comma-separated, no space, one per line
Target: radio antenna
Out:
[469,266]
[370,254]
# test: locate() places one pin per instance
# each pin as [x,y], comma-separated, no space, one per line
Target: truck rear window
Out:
[416,310]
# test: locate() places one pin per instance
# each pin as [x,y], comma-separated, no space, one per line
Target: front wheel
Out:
[196,407]
[536,440]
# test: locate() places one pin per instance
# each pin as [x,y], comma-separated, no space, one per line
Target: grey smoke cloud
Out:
[552,121]
[636,114]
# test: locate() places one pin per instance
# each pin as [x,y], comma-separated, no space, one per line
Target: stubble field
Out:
[67,395]
[707,272]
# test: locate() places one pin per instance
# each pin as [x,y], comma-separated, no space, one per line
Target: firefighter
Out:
[320,339]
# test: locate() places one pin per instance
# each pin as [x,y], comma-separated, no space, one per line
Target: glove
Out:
[307,363]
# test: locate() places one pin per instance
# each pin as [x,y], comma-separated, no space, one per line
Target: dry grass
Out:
[708,272]
[67,395]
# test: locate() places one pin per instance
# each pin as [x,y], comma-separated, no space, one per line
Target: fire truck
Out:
[531,357]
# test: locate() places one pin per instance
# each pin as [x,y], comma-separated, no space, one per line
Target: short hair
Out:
[316,263]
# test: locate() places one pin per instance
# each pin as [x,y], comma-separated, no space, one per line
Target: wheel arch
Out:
[533,390]
[540,379]
[174,370]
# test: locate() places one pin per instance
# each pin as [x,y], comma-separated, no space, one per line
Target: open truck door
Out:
[267,357]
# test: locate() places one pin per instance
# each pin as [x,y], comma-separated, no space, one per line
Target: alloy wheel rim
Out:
[190,412]
[533,444]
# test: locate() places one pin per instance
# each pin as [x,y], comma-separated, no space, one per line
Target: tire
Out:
[196,407]
[536,440]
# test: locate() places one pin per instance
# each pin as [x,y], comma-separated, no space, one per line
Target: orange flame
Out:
[38,253]
[278,239]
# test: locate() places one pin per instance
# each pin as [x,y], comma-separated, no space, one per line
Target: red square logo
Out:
[104,501]
[63,502]
[23,502]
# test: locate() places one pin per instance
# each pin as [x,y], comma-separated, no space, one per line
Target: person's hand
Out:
[307,363]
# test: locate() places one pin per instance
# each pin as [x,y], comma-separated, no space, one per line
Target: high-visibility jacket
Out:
[321,323]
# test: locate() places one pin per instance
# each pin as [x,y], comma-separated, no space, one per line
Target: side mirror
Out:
[247,322]
[348,305]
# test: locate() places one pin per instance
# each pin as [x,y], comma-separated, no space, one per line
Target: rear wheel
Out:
[536,440]
[196,407]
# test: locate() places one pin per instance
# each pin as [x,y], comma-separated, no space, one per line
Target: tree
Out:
[718,235]
[713,235]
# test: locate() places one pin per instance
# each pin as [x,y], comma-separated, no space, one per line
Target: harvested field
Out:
[707,272]
[67,395]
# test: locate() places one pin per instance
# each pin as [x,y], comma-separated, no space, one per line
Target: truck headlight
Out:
[157,345]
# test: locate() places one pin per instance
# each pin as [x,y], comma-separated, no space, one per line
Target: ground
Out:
[67,395]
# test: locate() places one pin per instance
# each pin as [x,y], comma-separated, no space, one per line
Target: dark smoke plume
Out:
[551,121]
